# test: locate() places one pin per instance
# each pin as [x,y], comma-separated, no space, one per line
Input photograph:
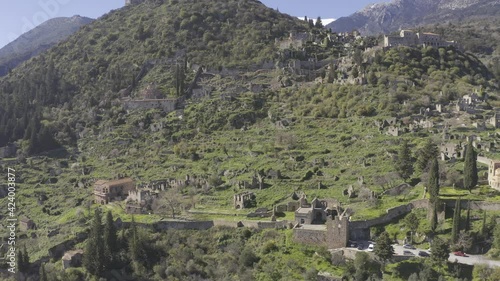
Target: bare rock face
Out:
[400,14]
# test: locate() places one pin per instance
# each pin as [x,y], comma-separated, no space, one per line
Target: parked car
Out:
[460,254]
[423,254]
[408,253]
[409,246]
[360,246]
[370,248]
[353,244]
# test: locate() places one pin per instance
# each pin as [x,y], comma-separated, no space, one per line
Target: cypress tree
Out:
[93,259]
[433,184]
[319,23]
[470,168]
[434,219]
[483,227]
[456,222]
[20,261]
[425,154]
[467,220]
[110,241]
[43,274]
[404,163]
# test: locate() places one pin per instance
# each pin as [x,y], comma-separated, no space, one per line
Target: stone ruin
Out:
[243,200]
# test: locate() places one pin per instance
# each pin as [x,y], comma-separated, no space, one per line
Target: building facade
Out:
[115,190]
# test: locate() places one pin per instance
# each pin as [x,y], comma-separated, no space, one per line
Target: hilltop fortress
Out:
[411,38]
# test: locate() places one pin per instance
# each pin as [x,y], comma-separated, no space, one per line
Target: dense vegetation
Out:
[327,141]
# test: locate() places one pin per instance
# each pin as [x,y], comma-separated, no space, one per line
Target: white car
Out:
[370,248]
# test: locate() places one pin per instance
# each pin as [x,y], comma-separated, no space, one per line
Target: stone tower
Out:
[337,232]
[133,2]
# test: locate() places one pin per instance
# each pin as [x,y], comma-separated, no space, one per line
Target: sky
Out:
[19,16]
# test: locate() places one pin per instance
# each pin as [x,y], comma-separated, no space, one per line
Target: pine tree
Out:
[404,163]
[456,222]
[110,241]
[93,258]
[383,248]
[470,168]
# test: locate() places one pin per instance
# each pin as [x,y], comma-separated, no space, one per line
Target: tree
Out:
[93,258]
[456,222]
[311,23]
[496,237]
[470,168]
[383,249]
[464,241]
[411,222]
[433,182]
[23,260]
[434,219]
[168,202]
[43,274]
[110,241]
[467,219]
[483,226]
[426,154]
[404,162]
[319,23]
[440,250]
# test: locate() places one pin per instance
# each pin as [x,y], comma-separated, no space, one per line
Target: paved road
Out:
[470,259]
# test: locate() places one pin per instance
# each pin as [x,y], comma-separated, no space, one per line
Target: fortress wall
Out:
[308,236]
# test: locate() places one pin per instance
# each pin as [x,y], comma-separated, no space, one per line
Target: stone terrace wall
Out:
[357,229]
[197,225]
[474,205]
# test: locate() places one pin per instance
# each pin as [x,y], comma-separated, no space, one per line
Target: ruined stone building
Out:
[494,174]
[243,200]
[133,2]
[317,211]
[114,190]
[449,151]
[72,259]
[294,41]
[410,38]
[26,224]
[333,234]
[495,121]
[139,201]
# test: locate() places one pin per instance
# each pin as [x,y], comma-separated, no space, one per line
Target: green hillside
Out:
[313,113]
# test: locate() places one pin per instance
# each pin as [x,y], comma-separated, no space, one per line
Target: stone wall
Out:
[309,236]
[196,225]
[474,205]
[167,105]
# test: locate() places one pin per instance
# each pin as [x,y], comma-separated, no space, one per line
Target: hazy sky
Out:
[18,16]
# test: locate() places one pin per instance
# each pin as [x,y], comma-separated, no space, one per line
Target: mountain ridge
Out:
[38,40]
[399,14]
